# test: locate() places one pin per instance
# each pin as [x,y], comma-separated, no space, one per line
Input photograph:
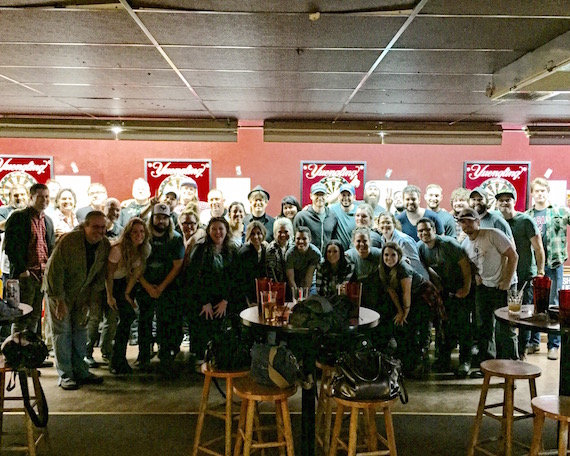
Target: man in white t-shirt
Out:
[495,259]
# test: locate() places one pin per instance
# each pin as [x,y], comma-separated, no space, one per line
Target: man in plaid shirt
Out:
[552,222]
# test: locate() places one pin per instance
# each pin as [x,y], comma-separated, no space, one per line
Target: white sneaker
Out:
[552,353]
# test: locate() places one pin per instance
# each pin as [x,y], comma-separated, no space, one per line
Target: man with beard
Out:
[75,271]
[28,242]
[495,258]
[345,211]
[372,197]
[433,197]
[413,213]
[318,218]
[478,201]
[216,209]
[97,194]
[159,294]
[258,199]
[450,271]
[552,224]
[529,248]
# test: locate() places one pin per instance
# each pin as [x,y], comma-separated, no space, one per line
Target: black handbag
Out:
[229,347]
[367,374]
[274,365]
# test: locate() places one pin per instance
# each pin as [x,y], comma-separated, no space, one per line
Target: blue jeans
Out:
[69,342]
[557,276]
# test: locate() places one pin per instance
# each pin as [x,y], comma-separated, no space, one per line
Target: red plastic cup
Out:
[354,293]
[541,293]
[280,288]
[564,312]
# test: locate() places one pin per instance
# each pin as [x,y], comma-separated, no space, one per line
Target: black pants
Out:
[126,317]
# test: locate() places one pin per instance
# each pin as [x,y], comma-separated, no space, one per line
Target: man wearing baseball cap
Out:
[162,267]
[318,218]
[344,211]
[529,248]
[495,258]
[258,199]
[188,193]
[478,200]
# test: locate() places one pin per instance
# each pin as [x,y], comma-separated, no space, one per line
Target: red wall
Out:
[276,165]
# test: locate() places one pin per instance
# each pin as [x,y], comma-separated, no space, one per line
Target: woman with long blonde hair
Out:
[125,265]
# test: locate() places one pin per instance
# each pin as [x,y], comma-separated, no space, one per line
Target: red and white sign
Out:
[332,175]
[163,174]
[495,176]
[26,171]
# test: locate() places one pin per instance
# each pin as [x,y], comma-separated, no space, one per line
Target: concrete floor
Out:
[149,394]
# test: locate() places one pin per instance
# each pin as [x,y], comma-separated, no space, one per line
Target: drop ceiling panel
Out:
[422,96]
[92,76]
[454,83]
[114,91]
[503,7]
[481,33]
[149,105]
[265,59]
[69,26]
[291,30]
[270,79]
[255,95]
[100,56]
[452,62]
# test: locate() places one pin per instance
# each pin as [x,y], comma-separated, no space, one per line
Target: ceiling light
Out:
[382,132]
[159,130]
[548,135]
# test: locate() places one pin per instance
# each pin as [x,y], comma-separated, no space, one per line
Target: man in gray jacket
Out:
[75,271]
[318,218]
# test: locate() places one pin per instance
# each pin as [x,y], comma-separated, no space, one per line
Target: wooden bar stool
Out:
[369,410]
[509,370]
[32,440]
[324,408]
[227,415]
[252,392]
[556,408]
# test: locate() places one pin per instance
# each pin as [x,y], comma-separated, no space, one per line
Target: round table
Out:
[526,320]
[368,318]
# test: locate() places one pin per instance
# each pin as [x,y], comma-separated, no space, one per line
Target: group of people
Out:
[185,264]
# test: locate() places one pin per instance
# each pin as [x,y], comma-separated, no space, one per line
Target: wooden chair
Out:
[324,408]
[509,370]
[369,410]
[32,440]
[556,408]
[251,393]
[227,415]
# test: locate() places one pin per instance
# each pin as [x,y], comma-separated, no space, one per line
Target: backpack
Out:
[229,347]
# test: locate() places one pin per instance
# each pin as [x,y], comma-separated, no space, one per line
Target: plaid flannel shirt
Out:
[557,219]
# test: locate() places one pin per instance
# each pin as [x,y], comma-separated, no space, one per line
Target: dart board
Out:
[493,186]
[12,179]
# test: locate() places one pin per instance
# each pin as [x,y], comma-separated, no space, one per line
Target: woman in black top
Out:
[251,261]
[210,274]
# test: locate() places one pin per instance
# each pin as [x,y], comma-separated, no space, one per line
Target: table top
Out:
[368,318]
[525,319]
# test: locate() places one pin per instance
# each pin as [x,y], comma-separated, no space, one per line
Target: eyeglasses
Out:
[189,223]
